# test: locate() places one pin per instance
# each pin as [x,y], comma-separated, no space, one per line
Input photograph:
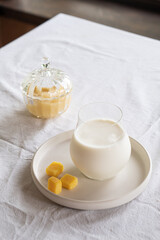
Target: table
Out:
[105,64]
[26,14]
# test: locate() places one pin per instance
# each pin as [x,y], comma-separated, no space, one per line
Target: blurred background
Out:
[17,17]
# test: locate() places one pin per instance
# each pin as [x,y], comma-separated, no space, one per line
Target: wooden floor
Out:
[33,13]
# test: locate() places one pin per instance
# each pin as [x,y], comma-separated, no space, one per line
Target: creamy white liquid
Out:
[100,148]
[98,133]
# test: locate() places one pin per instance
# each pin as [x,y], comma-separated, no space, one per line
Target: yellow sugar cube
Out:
[53,89]
[37,91]
[54,185]
[44,89]
[45,95]
[54,169]
[69,181]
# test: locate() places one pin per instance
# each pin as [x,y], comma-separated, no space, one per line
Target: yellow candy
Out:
[69,181]
[54,185]
[44,89]
[54,169]
[51,102]
[37,91]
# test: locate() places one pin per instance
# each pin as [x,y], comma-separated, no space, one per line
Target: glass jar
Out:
[47,91]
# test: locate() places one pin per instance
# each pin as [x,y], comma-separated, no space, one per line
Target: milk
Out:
[100,148]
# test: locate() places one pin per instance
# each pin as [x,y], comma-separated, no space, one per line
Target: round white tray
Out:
[91,194]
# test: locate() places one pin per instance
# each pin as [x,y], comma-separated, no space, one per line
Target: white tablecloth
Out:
[105,64]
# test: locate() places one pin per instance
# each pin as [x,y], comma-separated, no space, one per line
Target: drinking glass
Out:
[100,146]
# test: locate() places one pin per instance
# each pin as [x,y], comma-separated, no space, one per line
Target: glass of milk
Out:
[100,147]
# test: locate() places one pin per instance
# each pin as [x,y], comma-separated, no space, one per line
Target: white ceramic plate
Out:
[91,194]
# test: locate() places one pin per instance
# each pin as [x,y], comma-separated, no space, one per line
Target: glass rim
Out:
[107,103]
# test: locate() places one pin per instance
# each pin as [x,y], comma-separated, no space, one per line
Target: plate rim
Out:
[136,191]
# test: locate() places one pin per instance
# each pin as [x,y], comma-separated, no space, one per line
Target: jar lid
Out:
[46,82]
